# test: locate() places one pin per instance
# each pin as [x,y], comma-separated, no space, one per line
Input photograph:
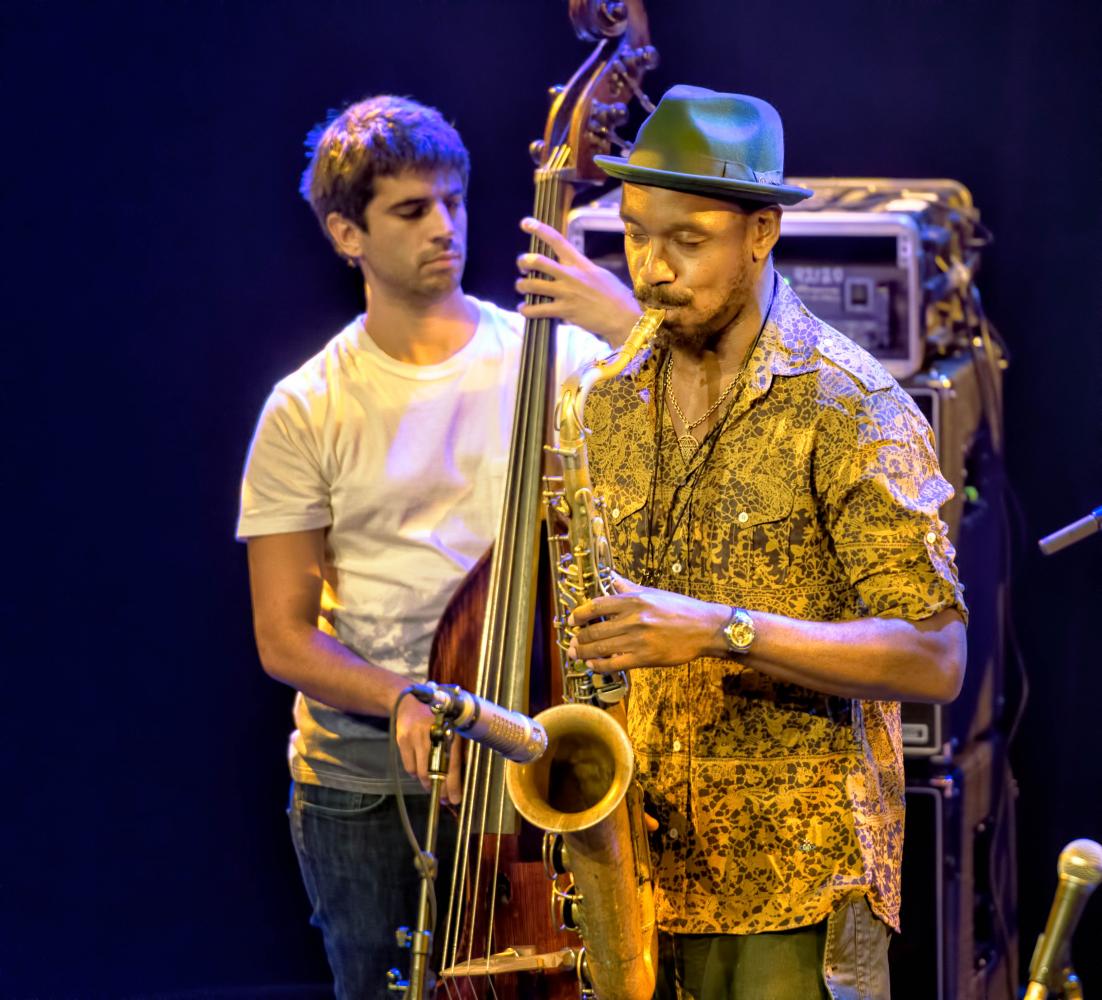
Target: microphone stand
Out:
[419,941]
[1080,871]
[1071,988]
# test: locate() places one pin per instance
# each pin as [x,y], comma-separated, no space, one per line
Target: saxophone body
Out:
[582,792]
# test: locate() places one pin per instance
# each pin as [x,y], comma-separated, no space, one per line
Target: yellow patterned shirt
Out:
[816,497]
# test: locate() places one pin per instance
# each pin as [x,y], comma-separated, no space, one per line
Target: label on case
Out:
[915,734]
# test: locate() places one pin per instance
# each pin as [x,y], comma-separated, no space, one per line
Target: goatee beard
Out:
[693,339]
[697,337]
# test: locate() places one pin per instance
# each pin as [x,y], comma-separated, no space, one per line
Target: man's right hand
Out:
[415,745]
[577,290]
[286,573]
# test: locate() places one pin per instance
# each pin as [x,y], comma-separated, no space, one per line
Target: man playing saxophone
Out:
[772,502]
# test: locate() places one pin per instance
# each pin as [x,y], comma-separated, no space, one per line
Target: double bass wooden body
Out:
[494,637]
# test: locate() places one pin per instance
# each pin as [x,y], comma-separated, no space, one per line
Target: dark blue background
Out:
[160,274]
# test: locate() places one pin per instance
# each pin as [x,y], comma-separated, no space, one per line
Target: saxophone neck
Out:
[571,426]
[639,340]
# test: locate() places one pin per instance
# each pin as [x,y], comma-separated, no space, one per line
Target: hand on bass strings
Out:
[641,626]
[415,744]
[579,291]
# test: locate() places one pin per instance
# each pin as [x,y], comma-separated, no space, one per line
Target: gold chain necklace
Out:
[685,441]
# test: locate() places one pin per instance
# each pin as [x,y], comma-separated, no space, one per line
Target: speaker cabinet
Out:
[959,917]
[950,395]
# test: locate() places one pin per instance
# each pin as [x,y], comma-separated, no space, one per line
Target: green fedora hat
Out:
[704,142]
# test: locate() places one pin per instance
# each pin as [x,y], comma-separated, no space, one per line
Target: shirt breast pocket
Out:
[760,520]
[625,514]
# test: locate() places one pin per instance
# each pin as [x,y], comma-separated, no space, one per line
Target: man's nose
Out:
[442,222]
[655,270]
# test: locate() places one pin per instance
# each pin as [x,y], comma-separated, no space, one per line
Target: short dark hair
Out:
[748,206]
[376,137]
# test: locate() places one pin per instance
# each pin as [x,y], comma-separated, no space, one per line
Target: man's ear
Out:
[347,237]
[765,230]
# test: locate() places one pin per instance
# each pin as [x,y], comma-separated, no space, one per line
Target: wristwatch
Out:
[739,632]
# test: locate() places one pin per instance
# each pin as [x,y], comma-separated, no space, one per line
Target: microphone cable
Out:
[423,861]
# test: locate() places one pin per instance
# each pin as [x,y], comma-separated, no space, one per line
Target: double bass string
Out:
[505,642]
[533,420]
[478,772]
[528,435]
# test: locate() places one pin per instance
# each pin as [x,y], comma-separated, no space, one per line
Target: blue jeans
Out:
[844,957]
[358,870]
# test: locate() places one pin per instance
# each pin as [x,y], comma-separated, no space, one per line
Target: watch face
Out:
[740,631]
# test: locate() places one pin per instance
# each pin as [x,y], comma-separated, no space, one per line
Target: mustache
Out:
[656,296]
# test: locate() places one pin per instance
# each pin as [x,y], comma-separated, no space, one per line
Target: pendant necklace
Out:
[685,441]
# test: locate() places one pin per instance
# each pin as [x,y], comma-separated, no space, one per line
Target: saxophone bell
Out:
[583,790]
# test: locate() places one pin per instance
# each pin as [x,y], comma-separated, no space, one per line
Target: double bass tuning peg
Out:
[640,60]
[535,150]
[605,115]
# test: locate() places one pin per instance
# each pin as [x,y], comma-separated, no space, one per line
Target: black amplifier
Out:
[959,917]
[949,393]
[956,395]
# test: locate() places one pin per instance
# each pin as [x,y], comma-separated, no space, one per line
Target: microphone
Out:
[1072,533]
[1080,870]
[512,734]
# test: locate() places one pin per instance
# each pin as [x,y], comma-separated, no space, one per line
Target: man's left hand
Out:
[646,627]
[578,291]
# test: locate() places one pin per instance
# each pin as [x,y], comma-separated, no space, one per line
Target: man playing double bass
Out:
[772,499]
[373,484]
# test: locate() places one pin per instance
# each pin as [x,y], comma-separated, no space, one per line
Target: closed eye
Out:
[419,208]
[411,209]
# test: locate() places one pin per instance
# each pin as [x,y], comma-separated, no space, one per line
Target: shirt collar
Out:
[789,343]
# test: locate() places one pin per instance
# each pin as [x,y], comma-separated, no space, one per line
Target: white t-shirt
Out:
[404,465]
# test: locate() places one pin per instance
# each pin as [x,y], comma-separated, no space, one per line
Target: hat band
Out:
[702,166]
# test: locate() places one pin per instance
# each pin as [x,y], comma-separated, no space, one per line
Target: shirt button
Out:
[615,511]
[743,517]
[674,834]
[676,567]
[676,745]
[931,537]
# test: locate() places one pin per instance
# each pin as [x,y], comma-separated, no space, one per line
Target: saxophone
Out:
[582,792]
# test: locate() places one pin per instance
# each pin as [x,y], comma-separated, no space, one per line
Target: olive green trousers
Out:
[844,957]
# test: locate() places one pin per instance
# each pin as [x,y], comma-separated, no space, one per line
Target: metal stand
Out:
[419,941]
[1072,988]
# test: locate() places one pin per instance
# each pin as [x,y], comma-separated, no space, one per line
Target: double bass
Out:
[501,937]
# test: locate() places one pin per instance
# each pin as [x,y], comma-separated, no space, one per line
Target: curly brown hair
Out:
[376,137]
